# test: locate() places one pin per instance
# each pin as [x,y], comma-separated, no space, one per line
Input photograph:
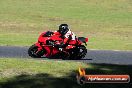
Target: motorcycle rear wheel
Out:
[82,52]
[78,53]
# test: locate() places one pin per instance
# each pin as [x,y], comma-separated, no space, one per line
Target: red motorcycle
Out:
[48,46]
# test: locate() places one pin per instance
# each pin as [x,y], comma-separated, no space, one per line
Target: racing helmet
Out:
[63,29]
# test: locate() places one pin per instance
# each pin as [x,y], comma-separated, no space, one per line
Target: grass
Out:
[14,66]
[31,73]
[108,23]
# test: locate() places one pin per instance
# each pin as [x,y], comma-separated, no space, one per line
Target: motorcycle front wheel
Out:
[33,52]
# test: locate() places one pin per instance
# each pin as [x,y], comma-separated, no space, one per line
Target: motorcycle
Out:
[48,46]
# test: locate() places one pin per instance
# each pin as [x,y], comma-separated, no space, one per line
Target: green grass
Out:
[108,24]
[14,66]
[31,73]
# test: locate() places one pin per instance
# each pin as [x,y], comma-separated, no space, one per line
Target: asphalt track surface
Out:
[93,56]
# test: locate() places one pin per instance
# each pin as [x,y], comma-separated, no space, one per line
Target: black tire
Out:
[78,53]
[32,52]
[82,52]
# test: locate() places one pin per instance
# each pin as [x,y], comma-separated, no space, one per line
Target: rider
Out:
[66,34]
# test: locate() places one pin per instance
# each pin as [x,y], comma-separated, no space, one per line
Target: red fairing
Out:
[56,37]
[50,50]
[42,39]
[72,42]
[39,46]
